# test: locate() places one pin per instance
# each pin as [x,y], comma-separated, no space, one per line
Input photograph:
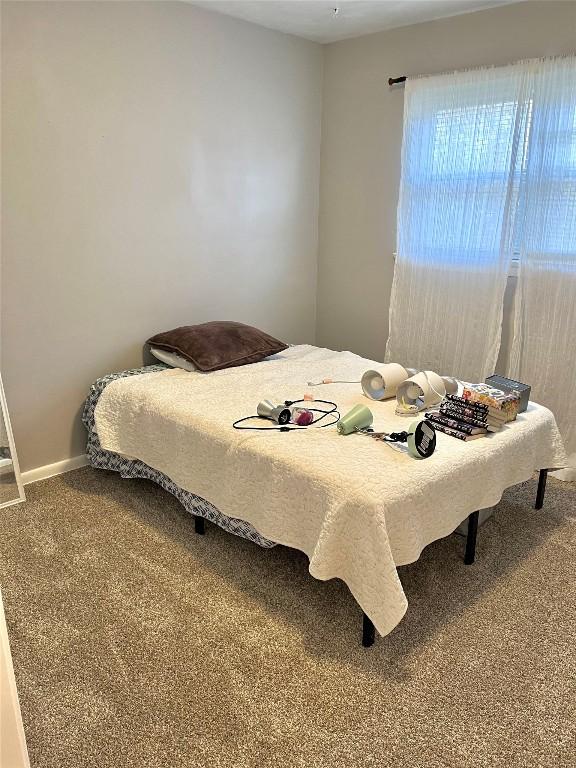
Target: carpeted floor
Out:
[138,644]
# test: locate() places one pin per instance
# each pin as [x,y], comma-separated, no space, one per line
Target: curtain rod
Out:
[403,78]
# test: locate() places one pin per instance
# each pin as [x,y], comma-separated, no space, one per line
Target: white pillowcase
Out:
[172,359]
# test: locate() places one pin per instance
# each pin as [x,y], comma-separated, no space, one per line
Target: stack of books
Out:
[458,418]
[475,413]
[502,405]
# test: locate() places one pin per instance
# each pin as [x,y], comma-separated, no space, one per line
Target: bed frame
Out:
[368,632]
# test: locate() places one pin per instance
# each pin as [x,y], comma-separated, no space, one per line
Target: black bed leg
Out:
[541,489]
[199,524]
[367,632]
[470,553]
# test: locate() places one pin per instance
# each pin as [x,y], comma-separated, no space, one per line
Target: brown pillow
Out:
[219,344]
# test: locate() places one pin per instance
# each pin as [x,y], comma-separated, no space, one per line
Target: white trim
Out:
[13,454]
[11,504]
[13,751]
[50,470]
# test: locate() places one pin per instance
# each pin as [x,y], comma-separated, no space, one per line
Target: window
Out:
[489,176]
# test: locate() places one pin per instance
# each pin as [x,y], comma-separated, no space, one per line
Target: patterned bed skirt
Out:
[135,469]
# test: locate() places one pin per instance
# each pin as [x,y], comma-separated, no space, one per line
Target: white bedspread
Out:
[355,506]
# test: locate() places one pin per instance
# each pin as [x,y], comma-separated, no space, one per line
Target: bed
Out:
[138,470]
[357,508]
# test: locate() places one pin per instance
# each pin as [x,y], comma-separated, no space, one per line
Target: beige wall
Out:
[361,140]
[160,167]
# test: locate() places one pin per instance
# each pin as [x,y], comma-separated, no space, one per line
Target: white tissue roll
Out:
[411,391]
[436,390]
[450,384]
[423,390]
[379,385]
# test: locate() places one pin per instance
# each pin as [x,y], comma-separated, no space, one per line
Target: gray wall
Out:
[361,141]
[160,167]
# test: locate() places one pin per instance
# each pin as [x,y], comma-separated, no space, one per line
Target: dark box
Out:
[509,385]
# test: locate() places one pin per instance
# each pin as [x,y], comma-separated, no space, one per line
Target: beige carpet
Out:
[139,644]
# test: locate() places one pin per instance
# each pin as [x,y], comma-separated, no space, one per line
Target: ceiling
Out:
[317,20]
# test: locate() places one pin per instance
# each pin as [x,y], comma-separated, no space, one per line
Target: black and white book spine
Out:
[463,414]
[454,432]
[495,413]
[439,418]
[463,403]
[453,412]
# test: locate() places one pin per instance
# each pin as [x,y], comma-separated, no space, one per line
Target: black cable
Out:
[274,428]
[333,410]
[389,437]
[285,428]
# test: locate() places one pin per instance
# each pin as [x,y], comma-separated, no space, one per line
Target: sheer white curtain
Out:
[464,137]
[544,347]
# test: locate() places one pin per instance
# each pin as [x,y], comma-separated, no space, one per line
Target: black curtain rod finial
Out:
[396,80]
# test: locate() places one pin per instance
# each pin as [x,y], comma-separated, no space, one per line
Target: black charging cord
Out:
[389,437]
[290,428]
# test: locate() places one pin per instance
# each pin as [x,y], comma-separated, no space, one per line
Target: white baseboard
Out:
[58,468]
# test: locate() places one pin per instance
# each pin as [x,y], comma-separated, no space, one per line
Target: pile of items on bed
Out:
[479,410]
